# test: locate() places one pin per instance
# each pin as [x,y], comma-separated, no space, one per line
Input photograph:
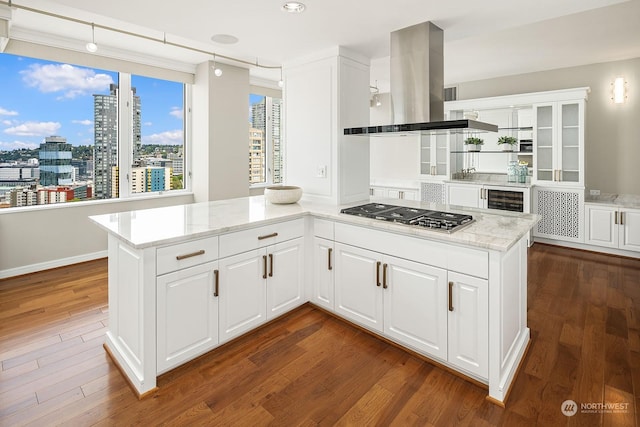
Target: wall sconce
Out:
[619,90]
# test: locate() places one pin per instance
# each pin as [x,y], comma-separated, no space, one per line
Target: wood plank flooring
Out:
[309,368]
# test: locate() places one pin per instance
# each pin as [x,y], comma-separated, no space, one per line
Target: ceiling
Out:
[483,39]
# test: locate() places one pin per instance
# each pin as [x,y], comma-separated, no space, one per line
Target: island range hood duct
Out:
[417,87]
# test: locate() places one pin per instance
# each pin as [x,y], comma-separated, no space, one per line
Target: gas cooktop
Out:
[435,220]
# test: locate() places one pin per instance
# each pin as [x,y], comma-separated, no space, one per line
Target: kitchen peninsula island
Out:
[186,279]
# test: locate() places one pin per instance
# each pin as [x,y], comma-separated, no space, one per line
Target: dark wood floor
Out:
[309,368]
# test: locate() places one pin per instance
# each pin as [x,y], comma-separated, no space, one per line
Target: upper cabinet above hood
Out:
[417,87]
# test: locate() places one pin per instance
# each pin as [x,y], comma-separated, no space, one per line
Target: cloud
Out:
[71,81]
[82,122]
[4,112]
[16,145]
[147,124]
[172,137]
[34,129]
[7,122]
[177,112]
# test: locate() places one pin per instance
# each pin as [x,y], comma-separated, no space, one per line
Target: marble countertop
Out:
[622,200]
[498,182]
[494,230]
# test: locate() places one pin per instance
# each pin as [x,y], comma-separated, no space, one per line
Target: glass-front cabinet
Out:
[434,152]
[558,140]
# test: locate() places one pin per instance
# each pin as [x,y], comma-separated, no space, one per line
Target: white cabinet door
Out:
[415,305]
[601,223]
[242,293]
[468,343]
[464,195]
[630,229]
[187,316]
[285,277]
[357,286]
[323,273]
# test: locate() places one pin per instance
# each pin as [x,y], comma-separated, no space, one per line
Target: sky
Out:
[40,98]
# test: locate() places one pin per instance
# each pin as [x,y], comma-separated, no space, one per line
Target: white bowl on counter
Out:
[282,194]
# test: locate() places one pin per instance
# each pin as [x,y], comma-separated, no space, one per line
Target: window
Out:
[265,148]
[70,133]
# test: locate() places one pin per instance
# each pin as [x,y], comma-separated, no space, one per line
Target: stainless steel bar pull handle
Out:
[616,219]
[267,236]
[450,296]
[264,266]
[270,265]
[216,281]
[329,266]
[192,254]
[621,218]
[378,273]
[384,276]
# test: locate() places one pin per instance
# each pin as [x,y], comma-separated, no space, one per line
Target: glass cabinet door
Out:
[570,143]
[433,154]
[426,164]
[544,142]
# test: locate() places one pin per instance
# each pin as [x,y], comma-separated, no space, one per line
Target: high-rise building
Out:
[55,161]
[256,156]
[105,152]
[266,116]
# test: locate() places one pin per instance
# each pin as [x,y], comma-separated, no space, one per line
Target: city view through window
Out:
[62,140]
[265,130]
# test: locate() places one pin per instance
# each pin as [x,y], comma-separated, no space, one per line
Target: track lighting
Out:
[92,46]
[217,71]
[281,81]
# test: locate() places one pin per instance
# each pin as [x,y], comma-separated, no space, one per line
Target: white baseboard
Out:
[32,268]
[590,248]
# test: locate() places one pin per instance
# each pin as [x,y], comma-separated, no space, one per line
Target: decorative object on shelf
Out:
[523,171]
[282,194]
[513,171]
[507,142]
[473,143]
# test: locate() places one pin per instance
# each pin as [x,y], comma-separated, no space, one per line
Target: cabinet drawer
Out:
[187,254]
[259,237]
[323,228]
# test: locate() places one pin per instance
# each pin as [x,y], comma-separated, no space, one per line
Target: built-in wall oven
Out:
[514,199]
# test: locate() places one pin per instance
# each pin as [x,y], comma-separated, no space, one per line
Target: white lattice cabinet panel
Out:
[433,192]
[562,212]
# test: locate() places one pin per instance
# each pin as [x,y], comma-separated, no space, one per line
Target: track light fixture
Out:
[92,46]
[217,71]
[281,81]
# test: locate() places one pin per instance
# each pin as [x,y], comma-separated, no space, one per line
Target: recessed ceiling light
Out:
[293,7]
[224,39]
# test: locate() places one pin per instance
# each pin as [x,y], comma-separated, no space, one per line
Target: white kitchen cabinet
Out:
[612,226]
[434,155]
[468,323]
[323,273]
[562,214]
[558,143]
[464,195]
[400,193]
[357,286]
[404,300]
[415,308]
[187,314]
[259,285]
[242,295]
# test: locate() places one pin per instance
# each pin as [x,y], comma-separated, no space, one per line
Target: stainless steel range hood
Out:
[417,87]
